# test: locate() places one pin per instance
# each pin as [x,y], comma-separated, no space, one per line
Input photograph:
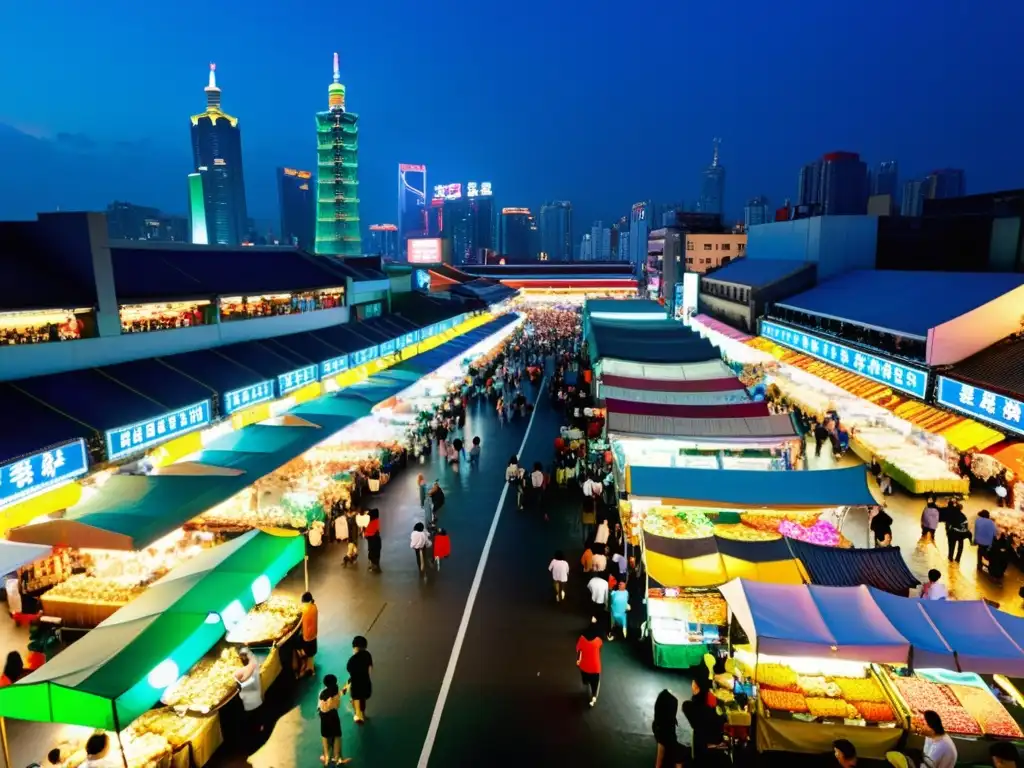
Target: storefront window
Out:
[249,307]
[143,318]
[38,327]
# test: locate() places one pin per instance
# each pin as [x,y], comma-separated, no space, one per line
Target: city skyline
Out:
[145,163]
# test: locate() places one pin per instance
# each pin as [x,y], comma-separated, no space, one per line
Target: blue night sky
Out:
[587,101]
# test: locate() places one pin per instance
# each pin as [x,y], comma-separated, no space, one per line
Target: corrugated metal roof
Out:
[32,425]
[999,368]
[757,273]
[882,568]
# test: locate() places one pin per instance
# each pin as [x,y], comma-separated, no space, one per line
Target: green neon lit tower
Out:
[337,202]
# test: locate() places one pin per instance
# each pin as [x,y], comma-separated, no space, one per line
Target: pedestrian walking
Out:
[359,686]
[310,626]
[559,570]
[934,589]
[597,587]
[957,531]
[351,528]
[330,722]
[671,754]
[618,605]
[418,542]
[442,547]
[250,690]
[436,500]
[373,543]
[421,486]
[984,535]
[474,453]
[537,487]
[929,520]
[588,659]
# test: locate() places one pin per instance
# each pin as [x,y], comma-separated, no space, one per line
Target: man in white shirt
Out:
[418,542]
[934,589]
[598,589]
[939,749]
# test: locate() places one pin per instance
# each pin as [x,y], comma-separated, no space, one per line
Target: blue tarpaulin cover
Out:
[776,489]
[883,568]
[757,273]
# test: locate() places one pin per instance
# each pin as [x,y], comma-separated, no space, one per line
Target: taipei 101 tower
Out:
[337,189]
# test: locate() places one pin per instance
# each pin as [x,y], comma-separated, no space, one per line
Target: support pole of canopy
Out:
[117,730]
[3,740]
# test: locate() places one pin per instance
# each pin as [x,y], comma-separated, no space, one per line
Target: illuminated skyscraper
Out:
[412,202]
[337,201]
[217,152]
[384,240]
[295,194]
[516,224]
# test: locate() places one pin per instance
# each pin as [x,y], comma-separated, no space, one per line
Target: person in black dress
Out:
[671,754]
[359,687]
[330,722]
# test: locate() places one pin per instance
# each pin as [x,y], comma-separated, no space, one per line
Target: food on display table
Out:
[207,685]
[46,571]
[146,750]
[769,521]
[267,622]
[238,516]
[923,695]
[822,533]
[176,729]
[818,686]
[676,523]
[785,701]
[777,676]
[875,711]
[860,689]
[986,709]
[742,532]
[709,608]
[830,708]
[82,588]
[954,719]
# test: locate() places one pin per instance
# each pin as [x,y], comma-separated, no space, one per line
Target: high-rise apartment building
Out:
[601,242]
[844,184]
[623,251]
[516,228]
[639,228]
[384,240]
[412,202]
[913,198]
[945,183]
[464,214]
[337,201]
[712,188]
[586,250]
[217,158]
[885,180]
[297,207]
[809,189]
[755,212]
[556,230]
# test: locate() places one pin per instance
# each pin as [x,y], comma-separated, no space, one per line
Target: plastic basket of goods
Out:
[777,676]
[986,709]
[268,622]
[783,701]
[207,686]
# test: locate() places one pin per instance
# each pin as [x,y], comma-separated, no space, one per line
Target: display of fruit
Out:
[986,709]
[818,686]
[777,676]
[207,685]
[741,532]
[954,719]
[830,708]
[708,608]
[236,518]
[922,695]
[860,689]
[875,711]
[769,521]
[267,622]
[81,588]
[783,700]
[177,729]
[678,523]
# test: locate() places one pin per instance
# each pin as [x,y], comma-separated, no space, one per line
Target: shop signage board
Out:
[334,366]
[388,347]
[999,410]
[133,438]
[237,399]
[300,377]
[367,355]
[899,376]
[407,339]
[40,472]
[430,330]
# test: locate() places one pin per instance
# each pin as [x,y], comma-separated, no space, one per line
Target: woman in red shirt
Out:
[372,536]
[588,659]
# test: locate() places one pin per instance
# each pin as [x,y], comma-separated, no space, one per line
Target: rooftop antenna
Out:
[337,69]
[212,91]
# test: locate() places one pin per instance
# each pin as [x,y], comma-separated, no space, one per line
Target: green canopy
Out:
[121,668]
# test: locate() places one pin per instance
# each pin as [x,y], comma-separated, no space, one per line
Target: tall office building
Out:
[712,187]
[844,184]
[464,215]
[622,254]
[485,222]
[885,180]
[755,212]
[639,228]
[601,242]
[948,182]
[586,248]
[556,230]
[412,202]
[337,206]
[298,207]
[913,198]
[384,240]
[809,189]
[217,157]
[516,233]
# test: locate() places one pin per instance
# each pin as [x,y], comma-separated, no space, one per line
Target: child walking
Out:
[559,569]
[330,721]
[442,547]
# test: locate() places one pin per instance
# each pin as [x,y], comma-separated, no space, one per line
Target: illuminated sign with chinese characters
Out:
[125,441]
[365,355]
[483,189]
[430,330]
[289,382]
[334,366]
[237,399]
[40,472]
[425,250]
[388,347]
[978,403]
[881,370]
[407,339]
[447,191]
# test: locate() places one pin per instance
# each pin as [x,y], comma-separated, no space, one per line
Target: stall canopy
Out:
[725,384]
[714,560]
[14,555]
[750,489]
[121,668]
[981,644]
[882,568]
[764,429]
[823,622]
[711,369]
[637,348]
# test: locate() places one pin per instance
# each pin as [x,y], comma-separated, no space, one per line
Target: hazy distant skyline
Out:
[603,106]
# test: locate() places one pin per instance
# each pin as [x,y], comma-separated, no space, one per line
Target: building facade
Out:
[886,179]
[126,221]
[217,158]
[945,183]
[705,252]
[601,242]
[639,229]
[844,184]
[337,203]
[712,188]
[755,212]
[516,224]
[556,230]
[384,241]
[412,202]
[297,207]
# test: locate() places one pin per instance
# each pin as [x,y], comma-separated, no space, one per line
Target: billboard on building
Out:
[412,200]
[426,250]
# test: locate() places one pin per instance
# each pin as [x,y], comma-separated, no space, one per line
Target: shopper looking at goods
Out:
[845,752]
[934,589]
[939,749]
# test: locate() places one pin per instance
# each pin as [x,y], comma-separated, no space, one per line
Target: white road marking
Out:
[460,636]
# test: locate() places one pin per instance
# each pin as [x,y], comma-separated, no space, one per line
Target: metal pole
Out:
[305,570]
[117,730]
[3,740]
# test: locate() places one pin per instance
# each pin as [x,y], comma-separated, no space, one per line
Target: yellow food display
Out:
[860,689]
[830,708]
[741,532]
[709,608]
[778,677]
[678,523]
[176,729]
[81,588]
[208,685]
[143,751]
[769,521]
[267,622]
[819,686]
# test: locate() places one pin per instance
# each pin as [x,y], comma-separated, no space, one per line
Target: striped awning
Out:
[712,369]
[725,384]
[673,398]
[767,429]
[734,411]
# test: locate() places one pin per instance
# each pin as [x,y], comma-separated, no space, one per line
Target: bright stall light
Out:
[163,675]
[232,615]
[213,618]
[261,589]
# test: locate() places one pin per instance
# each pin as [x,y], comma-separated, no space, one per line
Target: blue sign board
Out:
[421,279]
[237,399]
[905,378]
[407,339]
[32,475]
[388,347]
[430,330]
[124,441]
[334,366]
[300,377]
[365,355]
[978,403]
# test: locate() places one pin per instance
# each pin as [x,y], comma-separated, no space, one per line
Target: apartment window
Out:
[689,261]
[707,247]
[726,247]
[689,245]
[742,247]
